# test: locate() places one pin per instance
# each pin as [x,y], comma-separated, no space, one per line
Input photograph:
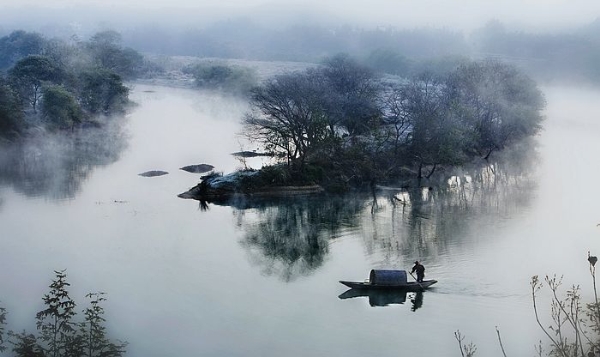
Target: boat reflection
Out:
[386,297]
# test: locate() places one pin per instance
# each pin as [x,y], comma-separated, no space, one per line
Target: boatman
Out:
[420,269]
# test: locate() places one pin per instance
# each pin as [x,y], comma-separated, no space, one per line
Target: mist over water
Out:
[262,280]
[56,165]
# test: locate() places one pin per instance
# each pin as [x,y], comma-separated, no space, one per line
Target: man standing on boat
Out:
[420,269]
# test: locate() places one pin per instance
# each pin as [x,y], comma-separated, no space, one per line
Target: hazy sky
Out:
[460,14]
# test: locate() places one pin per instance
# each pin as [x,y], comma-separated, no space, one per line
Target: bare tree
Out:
[498,105]
[289,116]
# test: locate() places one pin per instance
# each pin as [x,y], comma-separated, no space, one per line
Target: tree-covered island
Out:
[341,125]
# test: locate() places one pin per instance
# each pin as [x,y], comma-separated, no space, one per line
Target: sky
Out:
[457,14]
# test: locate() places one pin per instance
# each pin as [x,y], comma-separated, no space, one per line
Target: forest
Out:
[52,84]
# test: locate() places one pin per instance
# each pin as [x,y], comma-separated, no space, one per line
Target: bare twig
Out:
[459,338]
[465,350]
[500,341]
[535,287]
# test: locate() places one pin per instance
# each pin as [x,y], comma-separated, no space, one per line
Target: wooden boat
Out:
[388,280]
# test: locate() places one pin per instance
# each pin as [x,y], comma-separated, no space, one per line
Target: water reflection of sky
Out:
[185,281]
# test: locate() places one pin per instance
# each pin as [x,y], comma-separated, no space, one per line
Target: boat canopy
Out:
[388,277]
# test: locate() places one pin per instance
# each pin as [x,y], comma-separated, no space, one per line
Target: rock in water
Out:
[198,169]
[153,173]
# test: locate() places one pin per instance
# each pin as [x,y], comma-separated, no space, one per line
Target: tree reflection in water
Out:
[290,237]
[423,221]
[55,165]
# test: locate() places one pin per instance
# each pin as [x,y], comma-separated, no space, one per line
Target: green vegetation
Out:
[60,108]
[17,45]
[58,331]
[341,124]
[107,53]
[29,74]
[102,92]
[57,85]
[11,115]
[220,76]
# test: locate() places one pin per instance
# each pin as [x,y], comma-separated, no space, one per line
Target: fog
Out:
[187,279]
[465,15]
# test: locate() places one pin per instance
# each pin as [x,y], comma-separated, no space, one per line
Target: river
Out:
[261,279]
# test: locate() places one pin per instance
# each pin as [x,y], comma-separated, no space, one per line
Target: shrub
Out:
[223,77]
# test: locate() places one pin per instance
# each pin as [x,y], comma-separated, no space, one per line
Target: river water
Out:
[261,278]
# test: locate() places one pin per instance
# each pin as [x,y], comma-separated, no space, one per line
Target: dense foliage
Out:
[342,121]
[60,109]
[59,333]
[17,45]
[54,84]
[11,116]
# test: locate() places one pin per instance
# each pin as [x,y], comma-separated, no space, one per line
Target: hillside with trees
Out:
[51,84]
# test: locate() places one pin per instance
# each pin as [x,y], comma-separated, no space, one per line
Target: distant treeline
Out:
[52,84]
[245,39]
[551,56]
[573,55]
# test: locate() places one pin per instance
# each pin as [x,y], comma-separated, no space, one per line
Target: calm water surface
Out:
[263,280]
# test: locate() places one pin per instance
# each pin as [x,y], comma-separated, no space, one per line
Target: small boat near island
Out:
[389,280]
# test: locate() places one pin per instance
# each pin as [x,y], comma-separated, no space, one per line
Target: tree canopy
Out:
[30,73]
[17,45]
[222,76]
[107,53]
[499,105]
[60,108]
[11,115]
[101,91]
[73,81]
[342,115]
